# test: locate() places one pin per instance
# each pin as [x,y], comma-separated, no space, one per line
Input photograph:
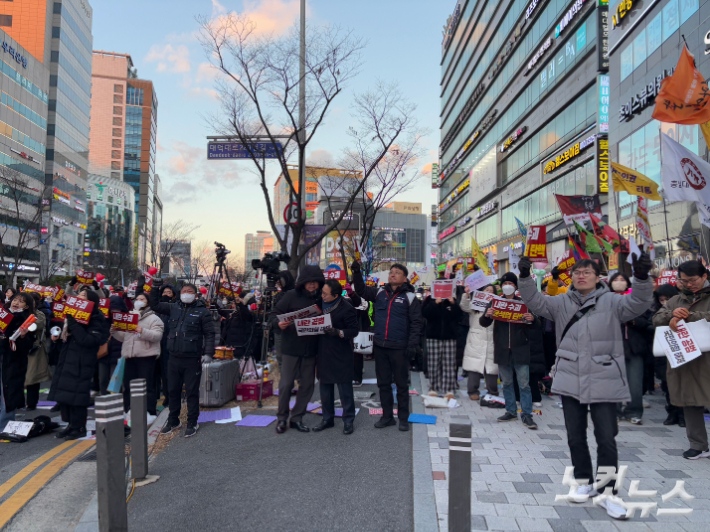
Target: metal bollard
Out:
[139,429]
[459,477]
[110,463]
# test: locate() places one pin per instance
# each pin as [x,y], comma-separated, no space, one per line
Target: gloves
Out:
[95,284]
[332,332]
[206,359]
[641,266]
[73,281]
[355,268]
[555,273]
[524,266]
[413,352]
[157,281]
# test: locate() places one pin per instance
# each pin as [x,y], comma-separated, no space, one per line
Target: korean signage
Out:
[58,311]
[667,277]
[238,150]
[451,24]
[508,310]
[602,156]
[486,209]
[126,322]
[79,308]
[486,122]
[603,31]
[85,277]
[5,319]
[480,300]
[463,115]
[643,99]
[15,54]
[536,245]
[544,48]
[434,174]
[513,138]
[569,16]
[571,152]
[447,232]
[531,8]
[449,200]
[338,275]
[620,12]
[443,289]
[313,310]
[680,347]
[603,116]
[311,326]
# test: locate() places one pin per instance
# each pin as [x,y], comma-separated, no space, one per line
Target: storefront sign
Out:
[486,209]
[450,26]
[58,220]
[570,153]
[25,155]
[487,122]
[620,12]
[15,54]
[447,232]
[463,186]
[463,116]
[569,16]
[602,156]
[603,118]
[508,50]
[646,97]
[603,28]
[544,48]
[513,138]
[463,222]
[530,9]
[434,174]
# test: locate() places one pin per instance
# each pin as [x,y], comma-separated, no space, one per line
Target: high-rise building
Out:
[524,116]
[256,245]
[58,34]
[123,142]
[179,257]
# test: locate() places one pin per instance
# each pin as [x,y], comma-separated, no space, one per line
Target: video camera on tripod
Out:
[269,264]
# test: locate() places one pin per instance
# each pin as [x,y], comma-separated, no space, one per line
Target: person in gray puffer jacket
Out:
[589,372]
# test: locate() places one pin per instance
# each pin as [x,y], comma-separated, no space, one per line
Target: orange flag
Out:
[684,97]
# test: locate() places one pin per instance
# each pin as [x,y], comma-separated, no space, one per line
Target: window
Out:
[116,175]
[79,239]
[670,19]
[117,110]
[687,8]
[116,97]
[116,132]
[115,165]
[639,49]
[654,34]
[117,121]
[115,154]
[55,57]
[55,32]
[118,89]
[6,21]
[56,231]
[55,253]
[116,143]
[57,8]
[627,61]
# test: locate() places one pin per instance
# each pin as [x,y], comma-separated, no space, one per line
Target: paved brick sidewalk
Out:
[516,472]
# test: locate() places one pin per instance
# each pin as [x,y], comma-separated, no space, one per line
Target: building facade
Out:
[58,35]
[179,257]
[645,42]
[524,116]
[124,114]
[256,245]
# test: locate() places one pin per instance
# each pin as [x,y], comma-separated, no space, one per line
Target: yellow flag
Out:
[635,183]
[479,256]
[705,128]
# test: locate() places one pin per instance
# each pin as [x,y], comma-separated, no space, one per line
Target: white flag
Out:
[491,264]
[514,260]
[685,176]
[633,250]
[703,214]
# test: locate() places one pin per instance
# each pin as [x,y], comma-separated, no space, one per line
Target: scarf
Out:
[330,307]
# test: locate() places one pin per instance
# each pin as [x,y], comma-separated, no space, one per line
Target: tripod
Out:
[217,273]
[268,299]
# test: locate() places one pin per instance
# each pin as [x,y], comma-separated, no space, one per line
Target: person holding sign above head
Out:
[590,373]
[511,346]
[71,383]
[689,384]
[335,359]
[298,353]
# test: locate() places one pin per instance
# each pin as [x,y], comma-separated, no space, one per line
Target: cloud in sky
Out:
[169,58]
[272,16]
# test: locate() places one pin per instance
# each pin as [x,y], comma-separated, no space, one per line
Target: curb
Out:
[425,516]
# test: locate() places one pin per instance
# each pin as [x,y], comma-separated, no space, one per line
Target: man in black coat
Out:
[298,353]
[238,328]
[191,336]
[442,329]
[398,326]
[511,348]
[335,358]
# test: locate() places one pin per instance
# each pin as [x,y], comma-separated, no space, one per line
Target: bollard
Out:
[139,429]
[110,463]
[460,477]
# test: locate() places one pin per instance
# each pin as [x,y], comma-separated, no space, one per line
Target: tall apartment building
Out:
[123,143]
[524,116]
[58,35]
[256,245]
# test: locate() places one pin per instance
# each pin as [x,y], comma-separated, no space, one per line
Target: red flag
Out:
[578,207]
[684,96]
[606,232]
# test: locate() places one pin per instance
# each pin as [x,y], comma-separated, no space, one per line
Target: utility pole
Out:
[302,114]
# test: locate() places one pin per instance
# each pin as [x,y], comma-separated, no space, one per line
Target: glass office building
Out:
[524,116]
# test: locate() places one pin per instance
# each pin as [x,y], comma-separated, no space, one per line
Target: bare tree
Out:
[259,99]
[201,261]
[174,234]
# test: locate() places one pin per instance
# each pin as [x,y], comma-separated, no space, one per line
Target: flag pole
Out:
[665,210]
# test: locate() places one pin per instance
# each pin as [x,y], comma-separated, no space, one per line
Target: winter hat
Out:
[509,277]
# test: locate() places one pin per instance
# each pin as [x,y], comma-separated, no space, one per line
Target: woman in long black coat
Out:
[238,328]
[14,362]
[71,384]
[335,360]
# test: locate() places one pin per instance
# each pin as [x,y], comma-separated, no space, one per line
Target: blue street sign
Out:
[238,150]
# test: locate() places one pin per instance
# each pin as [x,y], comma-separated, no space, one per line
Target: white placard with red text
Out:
[311,326]
[443,289]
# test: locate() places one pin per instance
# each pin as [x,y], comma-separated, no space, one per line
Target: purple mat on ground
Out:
[214,415]
[256,421]
[46,403]
[309,408]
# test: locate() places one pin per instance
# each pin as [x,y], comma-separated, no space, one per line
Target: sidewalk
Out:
[516,472]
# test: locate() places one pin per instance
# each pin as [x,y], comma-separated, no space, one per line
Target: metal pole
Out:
[302,113]
[460,477]
[139,429]
[110,464]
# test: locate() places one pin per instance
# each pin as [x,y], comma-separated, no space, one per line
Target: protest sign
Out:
[478,279]
[18,428]
[443,289]
[79,308]
[508,310]
[633,250]
[414,278]
[57,311]
[148,285]
[565,278]
[566,261]
[125,321]
[667,277]
[466,264]
[31,287]
[226,290]
[680,347]
[313,310]
[311,326]
[338,275]
[5,319]
[58,294]
[103,306]
[371,281]
[480,300]
[513,260]
[85,277]
[536,244]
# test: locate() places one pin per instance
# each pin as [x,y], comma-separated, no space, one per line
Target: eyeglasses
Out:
[691,280]
[583,273]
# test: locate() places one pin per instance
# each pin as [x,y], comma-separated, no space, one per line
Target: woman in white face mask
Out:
[141,349]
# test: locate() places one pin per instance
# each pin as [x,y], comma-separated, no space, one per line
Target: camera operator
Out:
[238,327]
[298,352]
[191,337]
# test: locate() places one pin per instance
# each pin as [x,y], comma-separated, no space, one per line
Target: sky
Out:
[223,197]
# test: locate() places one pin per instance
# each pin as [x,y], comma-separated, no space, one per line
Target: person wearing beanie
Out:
[511,351]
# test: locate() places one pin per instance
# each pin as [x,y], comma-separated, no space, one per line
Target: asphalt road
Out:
[242,478]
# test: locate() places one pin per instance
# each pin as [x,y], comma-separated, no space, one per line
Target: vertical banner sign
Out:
[603,115]
[602,157]
[642,224]
[613,261]
[103,306]
[536,248]
[57,311]
[603,32]
[434,175]
[59,294]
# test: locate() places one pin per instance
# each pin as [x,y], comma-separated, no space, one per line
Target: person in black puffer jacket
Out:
[238,328]
[298,352]
[168,294]
[71,383]
[442,330]
[286,283]
[107,364]
[538,364]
